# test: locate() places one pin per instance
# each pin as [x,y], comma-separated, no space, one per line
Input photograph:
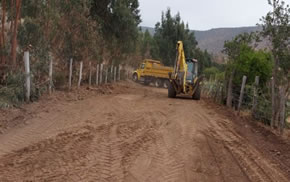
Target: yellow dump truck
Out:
[152,71]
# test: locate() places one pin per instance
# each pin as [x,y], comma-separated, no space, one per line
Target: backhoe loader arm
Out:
[181,62]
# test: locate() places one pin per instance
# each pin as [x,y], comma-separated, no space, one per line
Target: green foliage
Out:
[252,63]
[170,30]
[232,48]
[244,60]
[220,77]
[59,80]
[211,71]
[85,30]
[204,59]
[146,41]
[12,92]
[119,22]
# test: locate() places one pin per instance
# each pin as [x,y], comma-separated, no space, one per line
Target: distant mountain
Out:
[213,40]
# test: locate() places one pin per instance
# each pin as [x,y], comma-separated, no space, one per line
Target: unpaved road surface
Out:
[135,134]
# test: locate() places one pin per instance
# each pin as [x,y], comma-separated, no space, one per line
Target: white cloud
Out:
[206,14]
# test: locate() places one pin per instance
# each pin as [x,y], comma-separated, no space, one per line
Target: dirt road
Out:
[134,134]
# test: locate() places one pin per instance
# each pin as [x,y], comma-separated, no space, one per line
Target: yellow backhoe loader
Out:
[184,79]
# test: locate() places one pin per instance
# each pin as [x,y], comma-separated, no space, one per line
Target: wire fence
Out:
[256,100]
[30,84]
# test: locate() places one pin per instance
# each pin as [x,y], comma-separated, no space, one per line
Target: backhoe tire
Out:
[171,91]
[197,93]
[135,77]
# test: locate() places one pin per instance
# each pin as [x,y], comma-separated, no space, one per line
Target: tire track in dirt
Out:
[241,150]
[136,136]
[249,160]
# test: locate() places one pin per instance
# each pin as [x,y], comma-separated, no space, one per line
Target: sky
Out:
[207,14]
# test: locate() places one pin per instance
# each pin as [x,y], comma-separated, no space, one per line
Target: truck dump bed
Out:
[157,70]
[151,71]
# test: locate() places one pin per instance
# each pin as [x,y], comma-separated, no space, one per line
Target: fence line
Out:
[247,98]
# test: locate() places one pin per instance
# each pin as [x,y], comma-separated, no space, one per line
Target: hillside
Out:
[213,40]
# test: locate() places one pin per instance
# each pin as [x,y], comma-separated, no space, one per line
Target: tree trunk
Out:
[14,37]
[12,6]
[2,36]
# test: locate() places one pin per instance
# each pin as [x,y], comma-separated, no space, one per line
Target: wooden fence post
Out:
[97,75]
[115,73]
[211,85]
[50,75]
[230,90]
[255,94]
[119,73]
[27,75]
[106,77]
[283,100]
[221,93]
[90,74]
[101,74]
[242,92]
[81,74]
[70,73]
[217,87]
[273,102]
[112,73]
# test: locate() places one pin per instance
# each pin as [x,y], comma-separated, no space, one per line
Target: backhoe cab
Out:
[184,79]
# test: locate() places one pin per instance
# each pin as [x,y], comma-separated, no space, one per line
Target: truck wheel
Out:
[146,81]
[165,83]
[158,83]
[171,91]
[135,77]
[196,95]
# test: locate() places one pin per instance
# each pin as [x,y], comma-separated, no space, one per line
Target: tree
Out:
[146,41]
[276,28]
[252,63]
[232,50]
[168,32]
[119,22]
[204,59]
